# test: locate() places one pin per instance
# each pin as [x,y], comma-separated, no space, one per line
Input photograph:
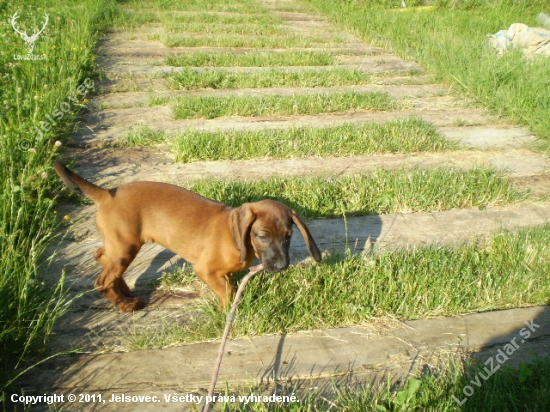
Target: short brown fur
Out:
[217,239]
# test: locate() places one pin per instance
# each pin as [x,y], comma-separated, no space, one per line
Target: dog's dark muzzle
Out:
[275,261]
[276,266]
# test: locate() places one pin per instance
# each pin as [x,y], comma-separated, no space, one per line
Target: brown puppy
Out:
[217,239]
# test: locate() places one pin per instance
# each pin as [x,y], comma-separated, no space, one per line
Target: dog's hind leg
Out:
[111,283]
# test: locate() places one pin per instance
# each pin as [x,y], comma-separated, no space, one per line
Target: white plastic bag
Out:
[531,40]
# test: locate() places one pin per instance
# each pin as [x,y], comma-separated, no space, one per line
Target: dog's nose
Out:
[280,265]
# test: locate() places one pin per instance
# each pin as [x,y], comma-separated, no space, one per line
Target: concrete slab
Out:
[538,185]
[483,137]
[107,126]
[102,329]
[136,99]
[515,162]
[113,48]
[305,32]
[119,84]
[369,64]
[284,15]
[305,355]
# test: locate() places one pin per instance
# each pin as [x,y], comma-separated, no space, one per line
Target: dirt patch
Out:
[536,184]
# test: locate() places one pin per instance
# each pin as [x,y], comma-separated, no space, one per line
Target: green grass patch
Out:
[223,79]
[510,270]
[134,19]
[131,20]
[143,136]
[524,388]
[214,18]
[450,41]
[30,91]
[405,190]
[426,282]
[299,104]
[251,59]
[400,136]
[182,277]
[202,28]
[281,41]
[241,6]
[199,22]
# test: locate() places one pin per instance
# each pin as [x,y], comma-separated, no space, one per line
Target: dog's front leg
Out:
[220,284]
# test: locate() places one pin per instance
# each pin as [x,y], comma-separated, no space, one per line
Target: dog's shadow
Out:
[335,235]
[148,278]
[148,284]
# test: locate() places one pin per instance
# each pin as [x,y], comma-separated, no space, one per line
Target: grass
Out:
[202,28]
[214,18]
[223,79]
[29,91]
[143,136]
[242,6]
[450,42]
[133,19]
[400,136]
[281,41]
[299,104]
[381,192]
[508,390]
[509,270]
[251,59]
[182,277]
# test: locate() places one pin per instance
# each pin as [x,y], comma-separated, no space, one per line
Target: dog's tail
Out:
[78,184]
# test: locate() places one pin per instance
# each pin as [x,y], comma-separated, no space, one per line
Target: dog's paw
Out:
[130,305]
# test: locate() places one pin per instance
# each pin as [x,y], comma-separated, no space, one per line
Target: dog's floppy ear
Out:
[310,243]
[241,220]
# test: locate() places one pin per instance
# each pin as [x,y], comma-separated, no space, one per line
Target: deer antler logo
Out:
[28,39]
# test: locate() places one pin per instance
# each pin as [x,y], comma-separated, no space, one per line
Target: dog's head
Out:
[266,228]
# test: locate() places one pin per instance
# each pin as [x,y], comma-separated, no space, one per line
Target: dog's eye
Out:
[262,237]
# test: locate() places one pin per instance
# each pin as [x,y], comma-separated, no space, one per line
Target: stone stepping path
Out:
[111,125]
[133,67]
[517,162]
